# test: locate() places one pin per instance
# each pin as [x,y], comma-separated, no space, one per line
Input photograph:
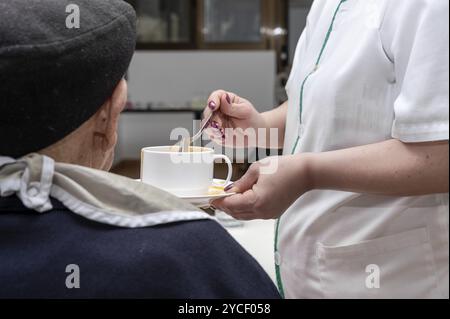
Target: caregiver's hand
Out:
[233,115]
[268,189]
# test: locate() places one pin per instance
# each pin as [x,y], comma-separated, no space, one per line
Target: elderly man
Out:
[69,229]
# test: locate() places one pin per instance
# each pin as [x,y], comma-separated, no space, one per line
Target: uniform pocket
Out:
[398,266]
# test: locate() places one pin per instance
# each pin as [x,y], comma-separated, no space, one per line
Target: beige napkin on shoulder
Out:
[93,194]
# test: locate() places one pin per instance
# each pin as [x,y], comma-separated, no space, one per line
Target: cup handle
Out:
[230,169]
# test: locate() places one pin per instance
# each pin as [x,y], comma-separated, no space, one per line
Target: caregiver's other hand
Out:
[269,188]
[233,121]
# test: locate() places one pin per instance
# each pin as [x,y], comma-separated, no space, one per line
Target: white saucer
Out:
[204,201]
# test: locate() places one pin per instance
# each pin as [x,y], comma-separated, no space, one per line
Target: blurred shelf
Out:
[163,111]
[197,114]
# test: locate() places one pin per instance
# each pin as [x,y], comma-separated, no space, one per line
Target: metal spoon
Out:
[187,142]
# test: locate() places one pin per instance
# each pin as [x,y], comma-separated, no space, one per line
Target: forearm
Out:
[276,119]
[389,168]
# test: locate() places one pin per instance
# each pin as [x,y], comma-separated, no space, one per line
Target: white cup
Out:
[182,174]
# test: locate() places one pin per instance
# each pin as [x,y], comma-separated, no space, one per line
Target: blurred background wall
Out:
[188,48]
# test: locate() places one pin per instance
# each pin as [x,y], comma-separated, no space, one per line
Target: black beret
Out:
[54,78]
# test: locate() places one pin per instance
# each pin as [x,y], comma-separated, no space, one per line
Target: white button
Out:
[277,258]
[32,192]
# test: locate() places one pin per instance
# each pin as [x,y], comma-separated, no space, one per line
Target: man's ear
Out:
[107,118]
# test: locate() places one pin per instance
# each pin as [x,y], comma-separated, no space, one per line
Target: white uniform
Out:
[384,74]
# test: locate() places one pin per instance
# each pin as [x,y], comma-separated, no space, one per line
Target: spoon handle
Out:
[202,129]
[187,142]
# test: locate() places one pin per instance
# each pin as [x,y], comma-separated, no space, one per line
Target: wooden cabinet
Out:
[165,24]
[211,24]
[232,24]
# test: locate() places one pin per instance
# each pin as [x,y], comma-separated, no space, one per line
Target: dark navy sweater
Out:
[195,259]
